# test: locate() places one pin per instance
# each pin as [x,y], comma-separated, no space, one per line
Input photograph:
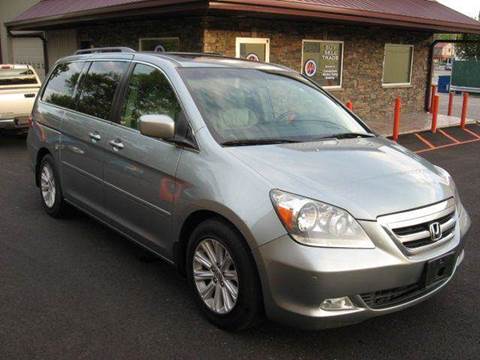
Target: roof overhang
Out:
[310,10]
[297,9]
[140,8]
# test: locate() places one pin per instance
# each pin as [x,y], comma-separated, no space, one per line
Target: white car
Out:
[19,85]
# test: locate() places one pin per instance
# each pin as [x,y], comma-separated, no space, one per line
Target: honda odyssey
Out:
[266,193]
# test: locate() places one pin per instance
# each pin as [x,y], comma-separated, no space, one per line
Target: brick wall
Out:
[363,57]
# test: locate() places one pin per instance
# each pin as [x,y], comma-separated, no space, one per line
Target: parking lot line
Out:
[448,136]
[447,146]
[472,133]
[425,141]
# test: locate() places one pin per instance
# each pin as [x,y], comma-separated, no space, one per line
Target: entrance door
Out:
[29,51]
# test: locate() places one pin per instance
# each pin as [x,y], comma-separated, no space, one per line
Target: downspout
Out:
[43,38]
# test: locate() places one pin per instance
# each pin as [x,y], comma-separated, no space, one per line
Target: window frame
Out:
[334,87]
[393,85]
[252,40]
[157,38]
[118,90]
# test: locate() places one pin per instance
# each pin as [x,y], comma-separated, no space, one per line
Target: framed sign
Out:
[253,49]
[160,44]
[322,61]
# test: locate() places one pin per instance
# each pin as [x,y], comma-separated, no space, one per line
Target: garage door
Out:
[29,51]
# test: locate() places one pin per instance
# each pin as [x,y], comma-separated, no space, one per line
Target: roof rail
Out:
[104,50]
[179,53]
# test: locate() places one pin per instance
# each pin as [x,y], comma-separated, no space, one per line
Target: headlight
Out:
[314,223]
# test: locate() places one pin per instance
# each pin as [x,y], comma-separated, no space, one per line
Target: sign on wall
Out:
[322,61]
[171,44]
[253,49]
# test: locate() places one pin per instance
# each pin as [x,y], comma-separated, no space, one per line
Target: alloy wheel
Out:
[215,276]
[47,183]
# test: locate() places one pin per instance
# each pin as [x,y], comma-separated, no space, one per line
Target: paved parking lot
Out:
[74,289]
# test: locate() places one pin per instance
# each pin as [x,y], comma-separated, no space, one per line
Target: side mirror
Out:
[158,126]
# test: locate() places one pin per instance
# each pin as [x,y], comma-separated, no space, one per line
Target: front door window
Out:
[149,93]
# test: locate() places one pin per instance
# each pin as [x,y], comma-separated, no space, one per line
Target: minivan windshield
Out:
[250,106]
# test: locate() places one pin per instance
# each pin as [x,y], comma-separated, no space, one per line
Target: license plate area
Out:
[439,269]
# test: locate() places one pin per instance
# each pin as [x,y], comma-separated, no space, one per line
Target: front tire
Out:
[50,188]
[222,276]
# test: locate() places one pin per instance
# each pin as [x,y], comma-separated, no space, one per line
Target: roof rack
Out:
[104,50]
[179,53]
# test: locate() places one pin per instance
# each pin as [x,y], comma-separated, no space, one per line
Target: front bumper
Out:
[296,279]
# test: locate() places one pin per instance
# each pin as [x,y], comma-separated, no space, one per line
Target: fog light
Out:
[335,304]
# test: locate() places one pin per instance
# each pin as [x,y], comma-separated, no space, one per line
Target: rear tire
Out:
[239,274]
[50,188]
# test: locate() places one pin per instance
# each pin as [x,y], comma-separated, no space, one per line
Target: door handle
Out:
[117,144]
[94,136]
[29,95]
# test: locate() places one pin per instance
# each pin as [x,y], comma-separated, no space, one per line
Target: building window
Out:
[253,49]
[322,61]
[164,44]
[397,65]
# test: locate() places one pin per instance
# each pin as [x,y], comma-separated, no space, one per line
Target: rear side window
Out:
[98,88]
[149,93]
[60,89]
[10,76]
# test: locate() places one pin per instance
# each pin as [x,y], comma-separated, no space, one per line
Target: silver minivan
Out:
[266,193]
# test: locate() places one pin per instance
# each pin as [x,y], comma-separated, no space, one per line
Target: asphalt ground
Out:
[74,289]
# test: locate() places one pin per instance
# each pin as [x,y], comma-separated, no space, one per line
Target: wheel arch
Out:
[193,220]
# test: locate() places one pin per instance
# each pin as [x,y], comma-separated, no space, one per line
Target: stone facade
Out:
[128,33]
[362,63]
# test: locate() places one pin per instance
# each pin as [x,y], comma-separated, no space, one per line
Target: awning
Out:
[414,14]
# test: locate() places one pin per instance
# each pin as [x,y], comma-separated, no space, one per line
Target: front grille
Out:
[419,235]
[412,228]
[396,296]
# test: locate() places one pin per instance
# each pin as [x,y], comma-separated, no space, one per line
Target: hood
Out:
[368,177]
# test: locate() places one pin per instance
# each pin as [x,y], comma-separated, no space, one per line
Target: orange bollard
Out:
[450,103]
[464,110]
[396,119]
[350,106]
[436,101]
[432,96]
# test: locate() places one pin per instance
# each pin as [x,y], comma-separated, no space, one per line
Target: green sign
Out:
[322,62]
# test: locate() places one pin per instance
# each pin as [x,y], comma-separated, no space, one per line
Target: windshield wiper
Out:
[350,135]
[246,142]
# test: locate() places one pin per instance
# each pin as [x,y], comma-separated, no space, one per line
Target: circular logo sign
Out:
[252,57]
[310,68]
[159,48]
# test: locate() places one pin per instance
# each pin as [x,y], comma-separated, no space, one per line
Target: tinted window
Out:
[149,92]
[98,87]
[60,89]
[11,76]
